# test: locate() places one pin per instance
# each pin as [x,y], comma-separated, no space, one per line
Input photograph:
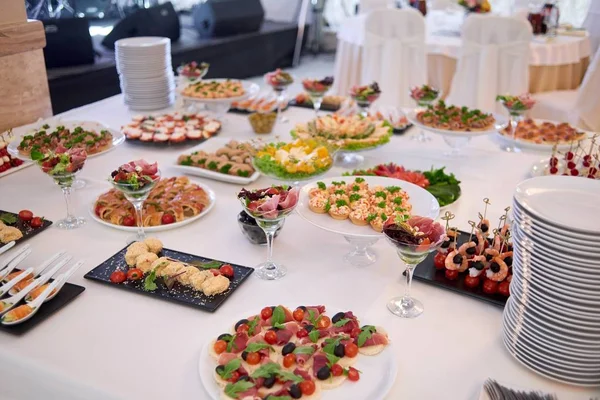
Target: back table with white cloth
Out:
[554,64]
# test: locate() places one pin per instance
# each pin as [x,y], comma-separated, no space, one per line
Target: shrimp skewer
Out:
[469,248]
[484,223]
[451,235]
[498,270]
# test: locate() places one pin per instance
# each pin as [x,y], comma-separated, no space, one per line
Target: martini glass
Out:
[515,116]
[270,223]
[136,195]
[65,181]
[281,92]
[364,105]
[425,103]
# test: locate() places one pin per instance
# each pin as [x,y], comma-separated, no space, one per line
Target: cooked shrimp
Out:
[490,254]
[504,230]
[479,241]
[455,261]
[477,265]
[17,314]
[468,249]
[507,257]
[498,270]
[484,227]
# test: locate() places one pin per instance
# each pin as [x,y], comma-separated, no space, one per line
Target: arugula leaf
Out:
[8,219]
[149,284]
[314,335]
[312,318]
[341,322]
[252,325]
[304,350]
[280,397]
[233,389]
[230,343]
[445,188]
[289,376]
[254,347]
[266,370]
[366,332]
[278,316]
[206,265]
[229,368]
[36,155]
[331,359]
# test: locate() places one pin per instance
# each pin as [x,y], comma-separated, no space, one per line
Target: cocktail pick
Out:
[447,217]
[472,223]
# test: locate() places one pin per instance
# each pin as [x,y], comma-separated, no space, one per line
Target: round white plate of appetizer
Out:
[542,135]
[221,159]
[94,137]
[358,206]
[161,212]
[280,363]
[219,90]
[494,123]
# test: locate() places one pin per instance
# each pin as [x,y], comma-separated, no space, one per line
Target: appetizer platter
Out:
[395,118]
[263,102]
[542,135]
[35,140]
[352,133]
[330,103]
[172,203]
[148,268]
[173,128]
[219,90]
[316,195]
[444,187]
[20,227]
[220,159]
[578,161]
[8,163]
[310,352]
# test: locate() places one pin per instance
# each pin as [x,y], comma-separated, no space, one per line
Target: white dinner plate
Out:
[175,225]
[501,123]
[249,89]
[591,249]
[378,374]
[423,204]
[210,146]
[21,131]
[524,144]
[573,204]
[143,42]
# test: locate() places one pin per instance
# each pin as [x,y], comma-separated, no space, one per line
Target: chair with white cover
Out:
[592,24]
[493,60]
[579,107]
[394,54]
[365,6]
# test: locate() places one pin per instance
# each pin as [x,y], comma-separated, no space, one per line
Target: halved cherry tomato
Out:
[25,215]
[167,219]
[243,328]
[226,270]
[234,377]
[302,333]
[472,281]
[439,261]
[323,322]
[220,346]
[350,350]
[253,205]
[266,313]
[504,288]
[134,274]
[353,374]
[307,387]
[337,370]
[118,276]
[451,274]
[298,314]
[253,358]
[490,287]
[271,337]
[289,360]
[128,221]
[355,332]
[36,222]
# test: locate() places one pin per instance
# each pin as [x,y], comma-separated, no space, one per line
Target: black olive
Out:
[338,316]
[274,329]
[478,265]
[243,378]
[272,308]
[303,308]
[457,259]
[225,336]
[324,373]
[488,257]
[484,228]
[220,369]
[244,355]
[269,382]
[445,244]
[294,391]
[451,239]
[471,250]
[339,350]
[241,321]
[114,173]
[508,261]
[495,267]
[309,328]
[288,348]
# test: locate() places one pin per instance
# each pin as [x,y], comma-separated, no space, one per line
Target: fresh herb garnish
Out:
[252,324]
[314,335]
[289,376]
[359,180]
[278,316]
[304,350]
[380,194]
[341,203]
[331,359]
[8,219]
[342,322]
[321,186]
[149,284]
[397,200]
[229,368]
[266,370]
[230,343]
[355,197]
[233,389]
[366,332]
[254,347]
[327,206]
[445,188]
[393,189]
[206,265]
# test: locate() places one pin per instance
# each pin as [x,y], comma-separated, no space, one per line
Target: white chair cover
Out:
[494,59]
[281,10]
[394,53]
[592,25]
[365,6]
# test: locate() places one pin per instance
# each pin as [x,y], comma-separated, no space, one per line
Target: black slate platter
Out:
[401,131]
[178,293]
[64,297]
[246,112]
[28,231]
[324,106]
[426,272]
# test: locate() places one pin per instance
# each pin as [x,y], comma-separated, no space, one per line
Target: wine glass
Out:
[424,96]
[279,81]
[65,181]
[316,91]
[136,194]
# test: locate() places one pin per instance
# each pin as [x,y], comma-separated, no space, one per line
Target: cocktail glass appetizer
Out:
[517,107]
[62,165]
[364,96]
[192,72]
[135,180]
[316,90]
[279,81]
[269,207]
[414,239]
[424,96]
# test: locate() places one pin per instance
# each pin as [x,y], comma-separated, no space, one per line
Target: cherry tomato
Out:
[271,337]
[215,272]
[337,370]
[355,332]
[298,314]
[234,377]
[472,281]
[323,322]
[490,287]
[289,360]
[134,274]
[253,205]
[226,270]
[350,350]
[266,313]
[220,346]
[452,275]
[36,222]
[129,221]
[307,387]
[353,374]
[243,328]
[302,333]
[118,276]
[167,219]
[504,288]
[25,215]
[253,358]
[439,261]
[97,210]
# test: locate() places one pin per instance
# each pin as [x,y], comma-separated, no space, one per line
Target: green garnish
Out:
[314,335]
[206,265]
[229,368]
[289,376]
[331,359]
[149,284]
[278,316]
[397,200]
[266,370]
[321,186]
[340,191]
[342,322]
[355,197]
[445,188]
[254,347]
[359,180]
[366,332]
[252,325]
[212,165]
[393,189]
[327,206]
[233,389]
[341,203]
[304,350]
[371,217]
[355,188]
[381,204]
[8,219]
[383,216]
[380,194]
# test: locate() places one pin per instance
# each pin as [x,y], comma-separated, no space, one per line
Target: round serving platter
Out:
[542,147]
[501,123]
[250,88]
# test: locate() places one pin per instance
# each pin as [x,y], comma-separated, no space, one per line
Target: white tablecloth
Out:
[115,344]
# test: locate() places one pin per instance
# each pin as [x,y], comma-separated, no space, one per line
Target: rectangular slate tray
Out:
[246,112]
[28,231]
[402,130]
[179,293]
[324,106]
[64,297]
[426,272]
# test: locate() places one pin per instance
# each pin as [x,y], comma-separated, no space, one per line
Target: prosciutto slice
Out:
[290,200]
[429,227]
[301,359]
[251,393]
[302,373]
[240,342]
[376,339]
[268,209]
[283,336]
[284,391]
[224,358]
[320,360]
[347,327]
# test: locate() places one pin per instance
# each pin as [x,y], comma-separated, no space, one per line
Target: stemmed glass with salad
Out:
[279,80]
[364,96]
[424,96]
[316,89]
[517,107]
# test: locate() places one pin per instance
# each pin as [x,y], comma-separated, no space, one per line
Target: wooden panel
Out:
[21,37]
[13,11]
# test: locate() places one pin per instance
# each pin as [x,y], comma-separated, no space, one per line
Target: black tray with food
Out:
[324,106]
[426,272]
[28,227]
[248,112]
[177,293]
[401,131]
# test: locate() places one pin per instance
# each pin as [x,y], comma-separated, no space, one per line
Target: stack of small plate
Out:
[551,322]
[145,71]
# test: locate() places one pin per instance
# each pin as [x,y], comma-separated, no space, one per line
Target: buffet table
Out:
[112,344]
[556,64]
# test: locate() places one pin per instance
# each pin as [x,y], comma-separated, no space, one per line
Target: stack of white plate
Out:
[551,322]
[145,71]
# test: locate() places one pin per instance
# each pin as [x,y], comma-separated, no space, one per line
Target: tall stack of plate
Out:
[551,322]
[145,72]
